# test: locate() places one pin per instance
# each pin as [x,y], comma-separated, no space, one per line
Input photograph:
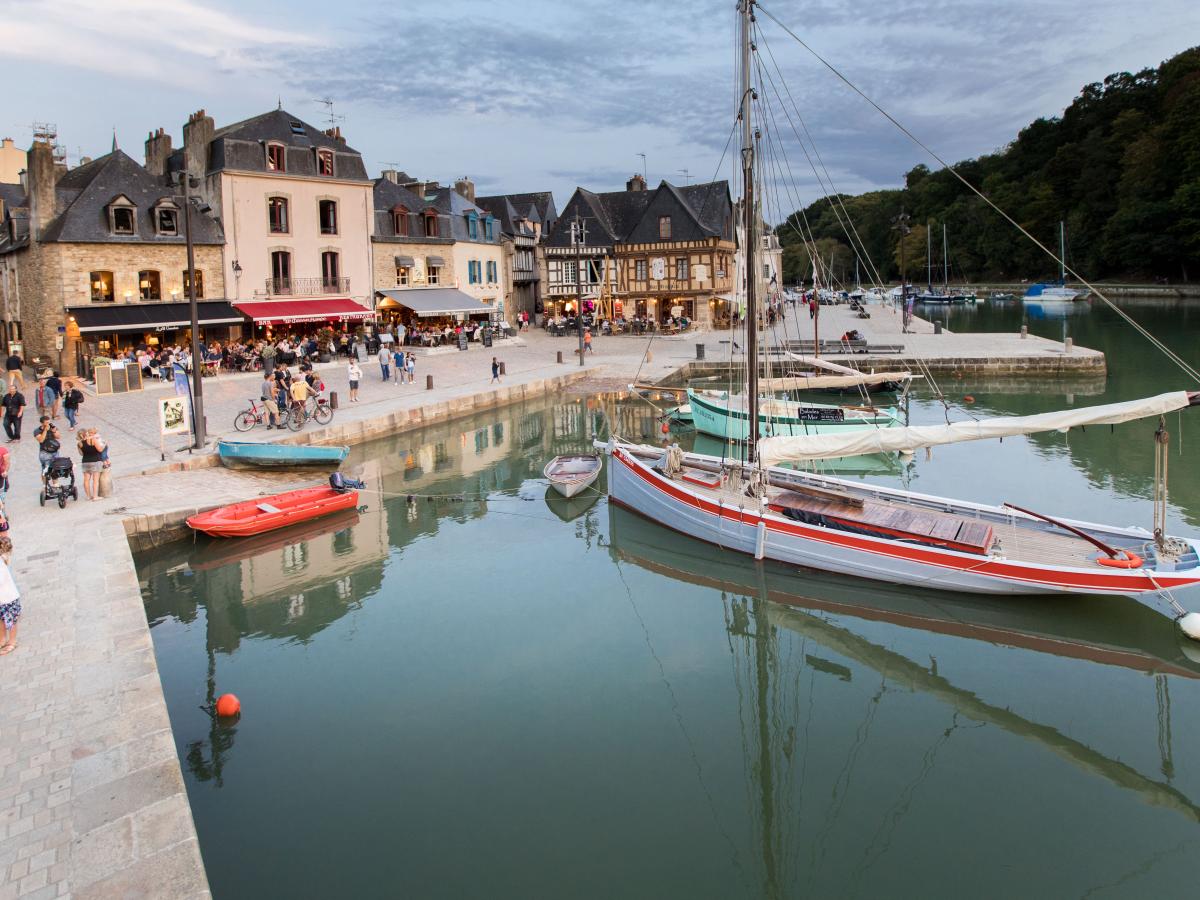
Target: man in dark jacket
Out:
[14,409]
[13,366]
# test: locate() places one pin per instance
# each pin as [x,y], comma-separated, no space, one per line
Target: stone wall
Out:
[383,261]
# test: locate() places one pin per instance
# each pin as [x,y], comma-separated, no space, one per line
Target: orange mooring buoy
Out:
[968,399]
[228,705]
[666,429]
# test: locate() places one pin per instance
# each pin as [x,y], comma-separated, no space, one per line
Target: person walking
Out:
[48,440]
[10,600]
[72,399]
[355,374]
[398,364]
[14,409]
[495,371]
[54,389]
[267,392]
[13,367]
[587,341]
[410,363]
[91,451]
[385,358]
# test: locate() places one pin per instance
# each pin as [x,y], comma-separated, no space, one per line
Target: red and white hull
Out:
[721,520]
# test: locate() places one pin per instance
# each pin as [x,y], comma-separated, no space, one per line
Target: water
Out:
[451,696]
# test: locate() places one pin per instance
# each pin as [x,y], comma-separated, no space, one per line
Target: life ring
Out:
[1130,560]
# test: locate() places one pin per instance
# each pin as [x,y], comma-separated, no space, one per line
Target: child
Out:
[355,377]
[411,364]
[10,600]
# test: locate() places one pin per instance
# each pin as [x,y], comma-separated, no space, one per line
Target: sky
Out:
[551,94]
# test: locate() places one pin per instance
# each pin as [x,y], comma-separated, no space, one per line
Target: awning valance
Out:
[434,261]
[405,261]
[282,312]
[429,302]
[151,316]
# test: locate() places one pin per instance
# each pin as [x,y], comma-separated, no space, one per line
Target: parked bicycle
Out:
[315,407]
[248,418]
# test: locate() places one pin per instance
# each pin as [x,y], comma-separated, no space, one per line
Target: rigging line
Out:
[678,715]
[866,256]
[1163,348]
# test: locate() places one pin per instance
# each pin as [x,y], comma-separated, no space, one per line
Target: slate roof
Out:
[389,195]
[632,216]
[85,192]
[510,208]
[15,199]
[241,146]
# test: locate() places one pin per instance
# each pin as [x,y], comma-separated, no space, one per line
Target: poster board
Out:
[173,415]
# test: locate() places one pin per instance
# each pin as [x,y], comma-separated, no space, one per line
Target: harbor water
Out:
[472,688]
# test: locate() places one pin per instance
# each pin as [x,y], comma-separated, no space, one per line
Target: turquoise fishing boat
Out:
[250,453]
[724,416]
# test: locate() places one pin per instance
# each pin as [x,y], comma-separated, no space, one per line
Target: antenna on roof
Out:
[645,174]
[687,176]
[327,102]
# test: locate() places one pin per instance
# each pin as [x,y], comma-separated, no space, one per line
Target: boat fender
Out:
[1126,560]
[760,542]
[1190,625]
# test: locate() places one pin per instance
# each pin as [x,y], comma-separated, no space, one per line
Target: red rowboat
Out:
[268,513]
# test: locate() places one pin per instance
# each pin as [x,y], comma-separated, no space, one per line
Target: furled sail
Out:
[775,450]
[817,363]
[828,382]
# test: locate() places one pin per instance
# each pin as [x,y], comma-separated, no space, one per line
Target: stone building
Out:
[524,219]
[655,254]
[93,260]
[297,209]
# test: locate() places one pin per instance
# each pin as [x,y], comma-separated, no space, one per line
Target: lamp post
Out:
[197,385]
[580,234]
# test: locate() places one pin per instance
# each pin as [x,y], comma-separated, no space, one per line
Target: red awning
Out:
[283,312]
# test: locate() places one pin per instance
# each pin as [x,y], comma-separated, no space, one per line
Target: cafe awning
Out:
[151,316]
[284,312]
[434,261]
[405,261]
[430,302]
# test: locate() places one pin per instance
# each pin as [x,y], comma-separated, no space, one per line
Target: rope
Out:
[1187,369]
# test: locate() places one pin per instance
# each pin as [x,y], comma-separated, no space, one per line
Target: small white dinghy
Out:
[570,475]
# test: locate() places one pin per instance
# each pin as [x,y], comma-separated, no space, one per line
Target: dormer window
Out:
[400,221]
[431,223]
[325,163]
[473,226]
[276,158]
[490,228]
[122,216]
[166,219]
[297,127]
[664,228]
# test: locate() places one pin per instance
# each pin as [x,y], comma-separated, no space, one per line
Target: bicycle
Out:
[248,418]
[316,408]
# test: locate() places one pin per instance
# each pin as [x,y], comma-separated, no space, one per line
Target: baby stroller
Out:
[58,482]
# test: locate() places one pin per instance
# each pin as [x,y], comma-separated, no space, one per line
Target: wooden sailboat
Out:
[759,508]
[723,415]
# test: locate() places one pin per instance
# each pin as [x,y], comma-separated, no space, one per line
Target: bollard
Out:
[699,351]
[333,404]
[649,356]
[502,372]
[1024,332]
[937,327]
[559,356]
[429,382]
[1068,344]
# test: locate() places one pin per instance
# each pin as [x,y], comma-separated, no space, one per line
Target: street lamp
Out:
[197,387]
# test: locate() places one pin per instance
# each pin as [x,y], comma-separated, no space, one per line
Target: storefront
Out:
[108,330]
[429,307]
[273,318]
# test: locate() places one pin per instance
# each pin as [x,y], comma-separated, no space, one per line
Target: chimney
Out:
[197,135]
[158,148]
[636,183]
[391,175]
[84,160]
[42,179]
[465,187]
[336,133]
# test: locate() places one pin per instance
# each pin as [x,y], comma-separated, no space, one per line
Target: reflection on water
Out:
[473,687]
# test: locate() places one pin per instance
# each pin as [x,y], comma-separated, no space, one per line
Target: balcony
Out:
[307,287]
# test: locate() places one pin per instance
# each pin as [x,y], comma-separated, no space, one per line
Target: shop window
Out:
[149,285]
[166,221]
[681,269]
[329,270]
[327,213]
[639,269]
[199,284]
[277,215]
[431,224]
[664,228]
[402,276]
[276,158]
[400,221]
[281,272]
[325,163]
[433,274]
[102,287]
[123,219]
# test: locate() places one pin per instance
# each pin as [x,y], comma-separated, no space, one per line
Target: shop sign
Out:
[172,415]
[658,268]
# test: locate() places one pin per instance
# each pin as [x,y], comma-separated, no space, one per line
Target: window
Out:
[664,227]
[473,226]
[325,163]
[491,272]
[432,274]
[400,221]
[123,220]
[431,224]
[570,273]
[166,220]
[276,158]
[101,284]
[766,270]
[277,215]
[149,285]
[490,227]
[327,213]
[281,272]
[681,268]
[199,284]
[473,271]
[402,276]
[329,270]
[297,127]
[639,270]
[591,271]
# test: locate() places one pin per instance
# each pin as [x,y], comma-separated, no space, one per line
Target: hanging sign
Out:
[658,268]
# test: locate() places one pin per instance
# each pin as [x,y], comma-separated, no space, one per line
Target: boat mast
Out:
[928,257]
[1062,252]
[746,8]
[945,262]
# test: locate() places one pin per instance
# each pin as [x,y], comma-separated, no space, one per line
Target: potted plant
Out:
[325,339]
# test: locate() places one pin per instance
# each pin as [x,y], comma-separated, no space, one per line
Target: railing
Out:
[307,287]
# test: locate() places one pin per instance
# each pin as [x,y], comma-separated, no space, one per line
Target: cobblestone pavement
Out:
[92,801]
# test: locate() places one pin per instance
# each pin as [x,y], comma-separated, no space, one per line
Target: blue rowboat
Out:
[248,453]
